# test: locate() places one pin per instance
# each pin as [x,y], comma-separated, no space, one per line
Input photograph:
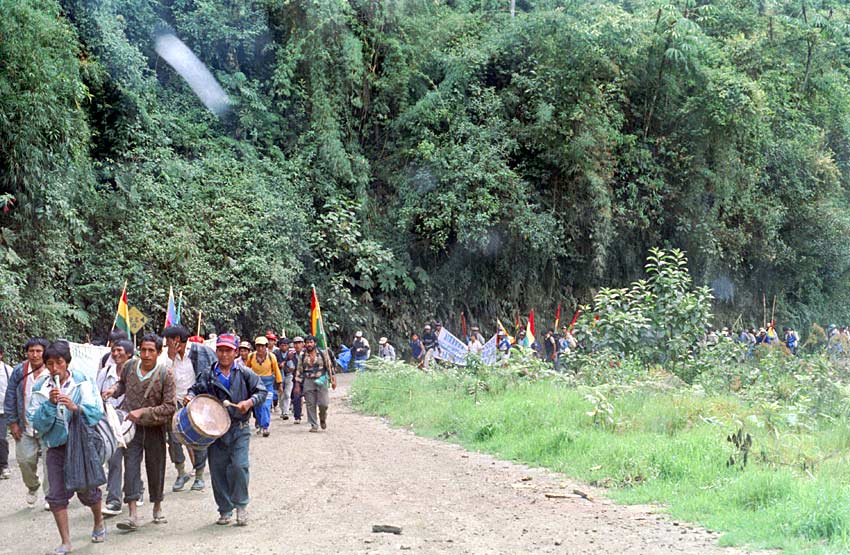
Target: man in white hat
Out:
[385,350]
[360,351]
[264,364]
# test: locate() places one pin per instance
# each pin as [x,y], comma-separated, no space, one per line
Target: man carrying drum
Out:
[148,388]
[242,390]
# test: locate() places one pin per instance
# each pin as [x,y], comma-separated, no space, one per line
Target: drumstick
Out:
[229,404]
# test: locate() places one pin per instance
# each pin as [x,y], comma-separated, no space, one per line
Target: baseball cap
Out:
[245,345]
[298,339]
[226,340]
[196,339]
[261,341]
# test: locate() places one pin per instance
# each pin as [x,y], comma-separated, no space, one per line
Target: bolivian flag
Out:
[122,319]
[317,326]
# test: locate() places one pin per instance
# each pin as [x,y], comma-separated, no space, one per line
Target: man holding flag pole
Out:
[315,372]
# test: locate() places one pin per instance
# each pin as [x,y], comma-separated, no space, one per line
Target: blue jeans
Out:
[360,363]
[263,413]
[228,458]
[297,404]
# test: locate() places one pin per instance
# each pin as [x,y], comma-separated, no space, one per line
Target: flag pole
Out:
[199,322]
[115,321]
[764,310]
[179,306]
[773,312]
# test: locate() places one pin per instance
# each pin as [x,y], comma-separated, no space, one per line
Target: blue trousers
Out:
[263,413]
[228,459]
[360,363]
[297,405]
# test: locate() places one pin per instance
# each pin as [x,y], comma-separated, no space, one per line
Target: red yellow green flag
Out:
[122,319]
[317,326]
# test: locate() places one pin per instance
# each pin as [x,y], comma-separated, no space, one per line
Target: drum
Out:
[201,422]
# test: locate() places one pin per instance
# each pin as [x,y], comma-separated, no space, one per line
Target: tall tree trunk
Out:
[651,107]
[809,55]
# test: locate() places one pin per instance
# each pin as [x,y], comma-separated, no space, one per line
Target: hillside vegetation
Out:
[414,159]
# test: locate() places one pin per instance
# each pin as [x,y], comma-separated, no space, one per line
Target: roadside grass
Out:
[667,447]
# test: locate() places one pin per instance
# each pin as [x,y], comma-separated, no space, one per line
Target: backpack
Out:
[106,443]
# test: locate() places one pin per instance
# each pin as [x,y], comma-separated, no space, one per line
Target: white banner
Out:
[86,358]
[451,348]
[490,352]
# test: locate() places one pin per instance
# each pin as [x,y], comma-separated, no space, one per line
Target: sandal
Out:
[61,550]
[224,519]
[98,536]
[128,525]
[159,518]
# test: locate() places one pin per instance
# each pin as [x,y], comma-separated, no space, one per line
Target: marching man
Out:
[226,380]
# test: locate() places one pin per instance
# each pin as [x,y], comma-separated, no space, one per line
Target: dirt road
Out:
[321,493]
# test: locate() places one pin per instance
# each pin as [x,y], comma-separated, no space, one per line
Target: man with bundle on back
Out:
[314,374]
[108,376]
[264,364]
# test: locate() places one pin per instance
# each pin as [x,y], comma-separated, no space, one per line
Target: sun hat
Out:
[382,341]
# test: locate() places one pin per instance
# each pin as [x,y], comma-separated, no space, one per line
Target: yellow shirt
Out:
[268,367]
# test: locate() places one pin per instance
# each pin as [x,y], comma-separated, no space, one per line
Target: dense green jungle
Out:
[415,159]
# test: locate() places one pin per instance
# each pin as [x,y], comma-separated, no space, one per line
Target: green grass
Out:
[665,447]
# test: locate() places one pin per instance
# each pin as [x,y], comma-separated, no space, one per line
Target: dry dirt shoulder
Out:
[322,493]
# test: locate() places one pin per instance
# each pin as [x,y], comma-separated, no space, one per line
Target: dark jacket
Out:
[13,404]
[201,357]
[244,385]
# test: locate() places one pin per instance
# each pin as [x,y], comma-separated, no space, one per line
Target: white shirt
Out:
[5,374]
[183,372]
[106,378]
[31,379]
